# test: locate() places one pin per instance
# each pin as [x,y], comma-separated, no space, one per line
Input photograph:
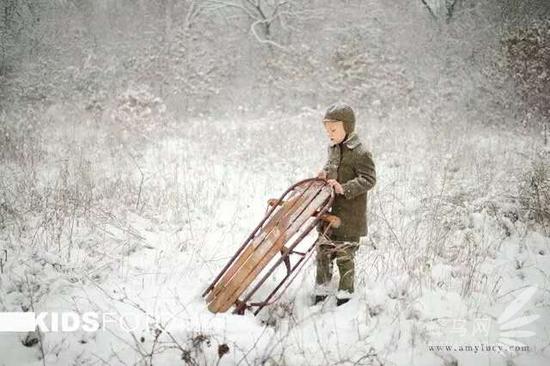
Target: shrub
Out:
[535,192]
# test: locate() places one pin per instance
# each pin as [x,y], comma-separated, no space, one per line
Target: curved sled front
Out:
[287,222]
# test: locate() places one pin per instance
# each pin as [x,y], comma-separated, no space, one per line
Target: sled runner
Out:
[287,222]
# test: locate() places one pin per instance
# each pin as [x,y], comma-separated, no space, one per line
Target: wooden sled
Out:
[289,219]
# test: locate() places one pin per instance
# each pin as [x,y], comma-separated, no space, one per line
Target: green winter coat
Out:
[351,165]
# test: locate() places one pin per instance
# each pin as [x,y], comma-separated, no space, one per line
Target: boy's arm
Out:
[365,180]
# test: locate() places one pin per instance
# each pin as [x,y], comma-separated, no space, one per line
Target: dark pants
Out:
[344,254]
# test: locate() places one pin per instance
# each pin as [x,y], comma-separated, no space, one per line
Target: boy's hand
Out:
[322,174]
[337,186]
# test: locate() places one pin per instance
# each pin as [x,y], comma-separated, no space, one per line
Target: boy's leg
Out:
[345,259]
[324,257]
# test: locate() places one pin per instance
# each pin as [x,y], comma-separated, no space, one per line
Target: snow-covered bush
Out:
[528,52]
[137,109]
[535,192]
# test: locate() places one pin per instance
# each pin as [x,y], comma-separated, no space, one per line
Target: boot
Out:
[341,301]
[319,298]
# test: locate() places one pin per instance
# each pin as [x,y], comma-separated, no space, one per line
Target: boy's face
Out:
[335,131]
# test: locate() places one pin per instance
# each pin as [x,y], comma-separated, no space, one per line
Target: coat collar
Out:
[351,142]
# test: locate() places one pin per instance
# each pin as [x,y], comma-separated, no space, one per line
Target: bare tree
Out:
[262,14]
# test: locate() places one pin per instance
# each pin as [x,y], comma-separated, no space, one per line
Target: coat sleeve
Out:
[366,177]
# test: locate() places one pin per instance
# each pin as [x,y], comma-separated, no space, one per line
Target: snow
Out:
[441,256]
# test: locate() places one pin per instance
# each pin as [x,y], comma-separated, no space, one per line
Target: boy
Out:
[351,172]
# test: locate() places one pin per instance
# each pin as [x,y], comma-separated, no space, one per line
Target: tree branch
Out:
[261,40]
[429,9]
[450,8]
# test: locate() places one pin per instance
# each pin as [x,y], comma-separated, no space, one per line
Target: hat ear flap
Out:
[349,126]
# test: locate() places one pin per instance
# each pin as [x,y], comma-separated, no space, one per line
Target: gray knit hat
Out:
[341,112]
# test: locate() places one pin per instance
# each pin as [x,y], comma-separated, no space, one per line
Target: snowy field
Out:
[135,220]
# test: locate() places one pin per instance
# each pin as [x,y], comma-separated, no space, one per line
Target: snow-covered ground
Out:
[134,223]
